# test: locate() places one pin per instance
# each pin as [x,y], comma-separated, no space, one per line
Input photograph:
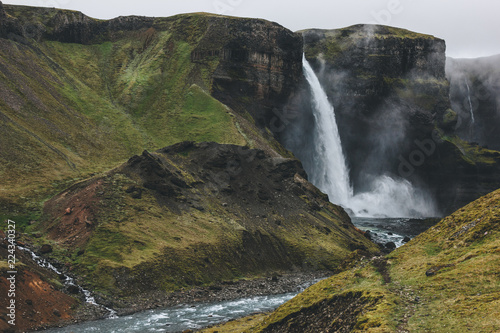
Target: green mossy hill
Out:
[79,96]
[445,280]
[193,214]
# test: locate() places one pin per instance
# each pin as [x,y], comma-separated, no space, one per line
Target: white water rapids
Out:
[388,196]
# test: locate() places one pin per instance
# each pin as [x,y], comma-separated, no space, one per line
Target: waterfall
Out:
[387,197]
[470,102]
[330,173]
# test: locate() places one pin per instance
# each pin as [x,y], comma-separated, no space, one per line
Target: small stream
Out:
[68,280]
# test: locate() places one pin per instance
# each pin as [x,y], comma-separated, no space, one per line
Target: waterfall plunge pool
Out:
[385,230]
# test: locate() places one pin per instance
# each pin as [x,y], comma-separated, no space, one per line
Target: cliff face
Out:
[262,60]
[66,26]
[474,86]
[392,107]
[74,89]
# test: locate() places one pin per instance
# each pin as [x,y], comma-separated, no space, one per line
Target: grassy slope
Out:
[69,110]
[461,294]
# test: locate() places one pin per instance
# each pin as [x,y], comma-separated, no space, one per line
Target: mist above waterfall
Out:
[316,141]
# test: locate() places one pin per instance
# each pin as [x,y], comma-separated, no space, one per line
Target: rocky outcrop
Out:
[474,86]
[66,26]
[193,214]
[258,71]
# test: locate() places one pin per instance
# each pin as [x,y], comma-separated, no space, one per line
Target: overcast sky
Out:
[471,28]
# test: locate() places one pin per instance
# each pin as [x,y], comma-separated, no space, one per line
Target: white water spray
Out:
[388,197]
[470,102]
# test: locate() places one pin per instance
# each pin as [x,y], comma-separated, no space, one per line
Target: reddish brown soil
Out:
[76,210]
[37,303]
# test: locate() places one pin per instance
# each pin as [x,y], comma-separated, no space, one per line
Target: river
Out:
[184,317]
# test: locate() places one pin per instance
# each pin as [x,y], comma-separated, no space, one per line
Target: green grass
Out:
[472,153]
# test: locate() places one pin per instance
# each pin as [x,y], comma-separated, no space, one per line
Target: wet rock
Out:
[46,248]
[72,289]
[390,245]
[406,239]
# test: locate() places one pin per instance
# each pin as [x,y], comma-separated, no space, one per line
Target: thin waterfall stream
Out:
[68,281]
[471,109]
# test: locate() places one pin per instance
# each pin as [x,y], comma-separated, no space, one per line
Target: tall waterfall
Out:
[388,197]
[330,173]
[470,102]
